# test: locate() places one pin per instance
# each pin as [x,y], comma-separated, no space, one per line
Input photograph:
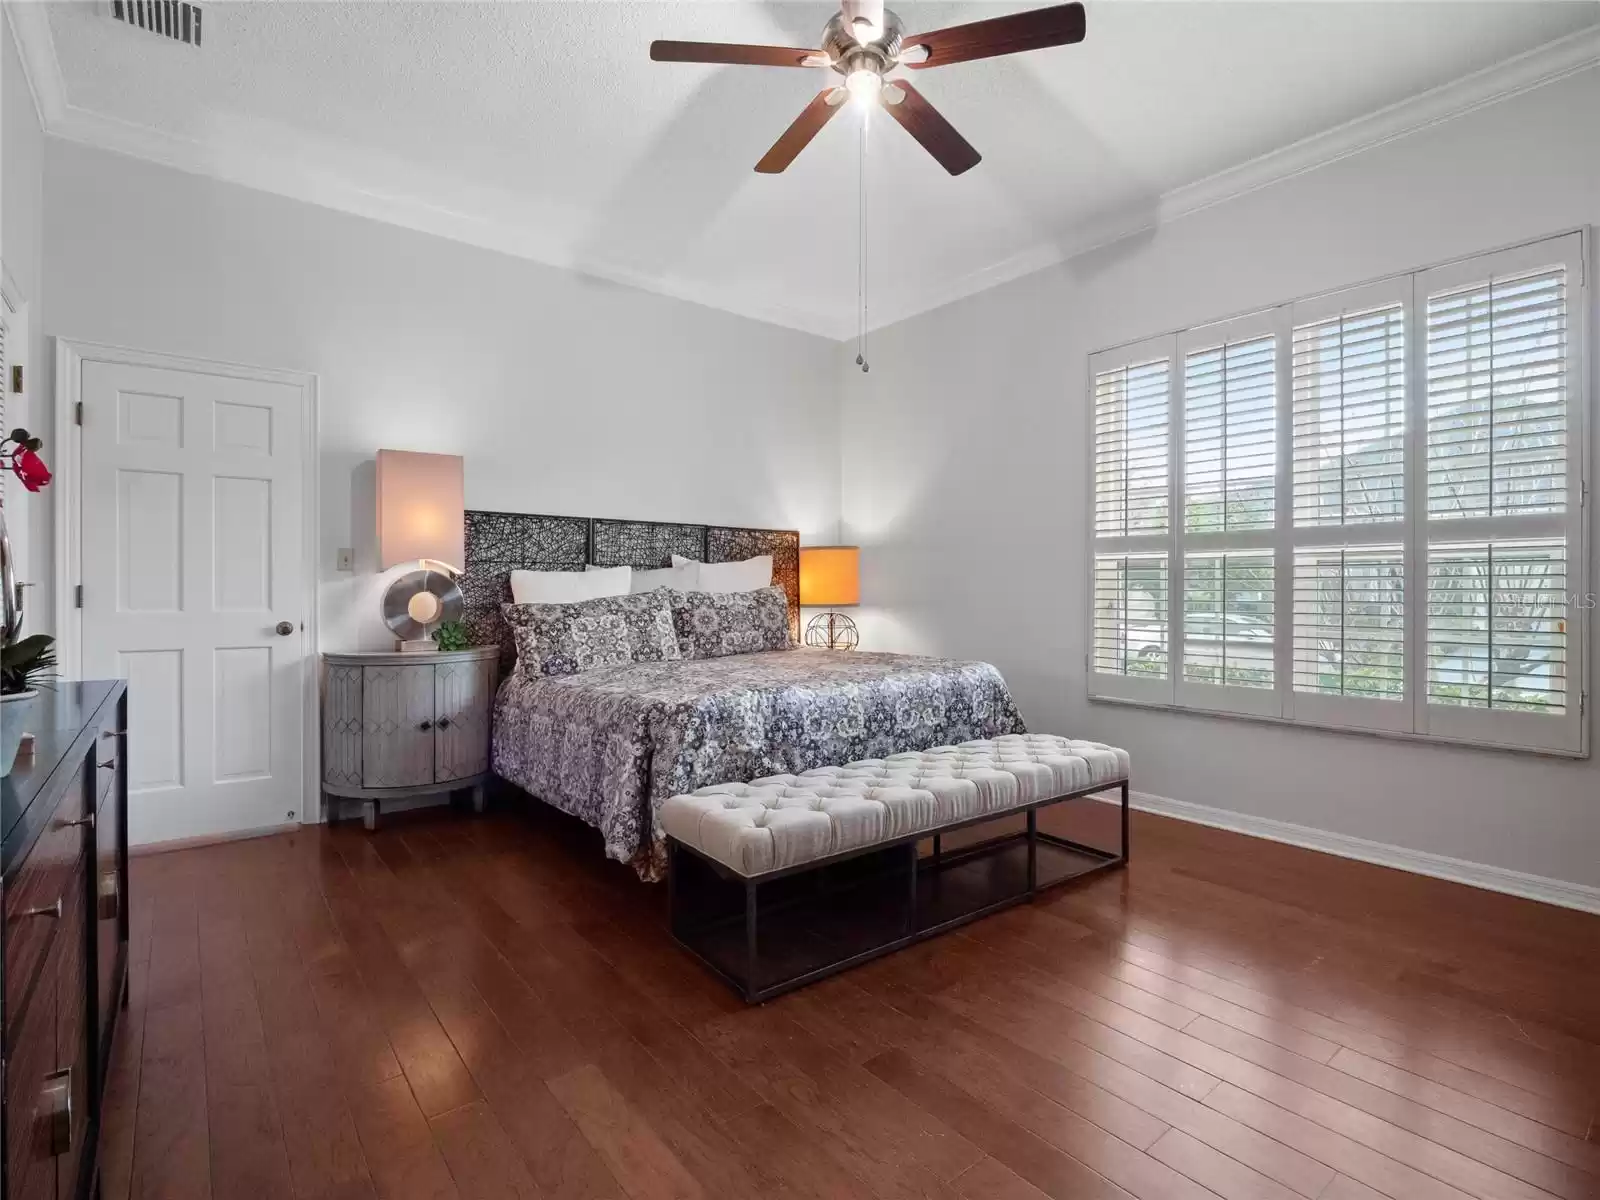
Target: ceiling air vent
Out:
[174,19]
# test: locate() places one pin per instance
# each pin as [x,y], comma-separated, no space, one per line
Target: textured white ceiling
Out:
[543,128]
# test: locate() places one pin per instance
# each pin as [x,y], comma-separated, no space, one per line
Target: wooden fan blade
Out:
[798,136]
[729,52]
[925,123]
[1058,26]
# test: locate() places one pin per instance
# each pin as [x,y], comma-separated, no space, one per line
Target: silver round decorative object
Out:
[832,631]
[397,600]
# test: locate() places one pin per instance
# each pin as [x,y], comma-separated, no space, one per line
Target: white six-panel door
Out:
[194,591]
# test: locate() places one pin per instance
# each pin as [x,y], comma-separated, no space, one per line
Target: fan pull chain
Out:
[861,257]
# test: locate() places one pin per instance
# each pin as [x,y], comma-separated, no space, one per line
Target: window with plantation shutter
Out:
[1230,436]
[1497,625]
[1130,614]
[1361,510]
[1497,405]
[1228,619]
[1130,449]
[1349,383]
[1130,635]
[1349,622]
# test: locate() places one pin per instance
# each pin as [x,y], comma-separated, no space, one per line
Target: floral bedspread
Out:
[609,745]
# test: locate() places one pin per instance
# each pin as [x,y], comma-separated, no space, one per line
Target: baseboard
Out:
[209,839]
[1418,862]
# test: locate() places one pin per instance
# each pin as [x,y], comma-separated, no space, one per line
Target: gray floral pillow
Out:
[714,624]
[563,639]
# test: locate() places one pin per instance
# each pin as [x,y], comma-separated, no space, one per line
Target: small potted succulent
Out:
[452,635]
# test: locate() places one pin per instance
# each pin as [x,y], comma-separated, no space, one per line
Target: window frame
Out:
[1412,716]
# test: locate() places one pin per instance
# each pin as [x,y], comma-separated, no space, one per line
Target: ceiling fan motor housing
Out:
[839,43]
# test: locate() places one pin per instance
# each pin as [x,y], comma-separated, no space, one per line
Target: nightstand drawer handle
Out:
[84,822]
[53,911]
[57,1114]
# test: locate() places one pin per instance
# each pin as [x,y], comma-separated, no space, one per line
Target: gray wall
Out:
[967,452]
[564,394]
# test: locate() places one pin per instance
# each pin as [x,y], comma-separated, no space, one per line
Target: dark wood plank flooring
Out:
[457,1008]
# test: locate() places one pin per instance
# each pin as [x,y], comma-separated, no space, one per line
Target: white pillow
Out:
[744,576]
[569,587]
[685,578]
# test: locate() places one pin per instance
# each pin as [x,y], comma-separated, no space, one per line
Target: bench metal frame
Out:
[693,937]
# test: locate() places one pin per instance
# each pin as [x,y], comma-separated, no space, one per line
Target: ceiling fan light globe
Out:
[863,86]
[865,29]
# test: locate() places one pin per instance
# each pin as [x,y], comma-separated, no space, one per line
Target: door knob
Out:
[285,628]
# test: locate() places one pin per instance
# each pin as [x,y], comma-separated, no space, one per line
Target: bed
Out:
[610,745]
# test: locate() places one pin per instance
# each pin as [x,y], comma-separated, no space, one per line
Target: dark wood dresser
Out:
[64,940]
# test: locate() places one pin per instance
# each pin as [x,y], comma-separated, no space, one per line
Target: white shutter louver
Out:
[1497,405]
[1349,621]
[1349,399]
[1497,625]
[1228,618]
[1130,449]
[1130,614]
[1230,436]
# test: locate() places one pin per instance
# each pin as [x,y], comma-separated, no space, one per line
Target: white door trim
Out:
[71,354]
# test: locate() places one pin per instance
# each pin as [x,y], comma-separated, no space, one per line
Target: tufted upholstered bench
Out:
[779,881]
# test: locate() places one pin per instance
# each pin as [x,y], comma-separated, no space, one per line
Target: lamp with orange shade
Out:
[830,577]
[422,520]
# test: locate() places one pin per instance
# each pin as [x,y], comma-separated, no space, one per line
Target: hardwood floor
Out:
[457,1008]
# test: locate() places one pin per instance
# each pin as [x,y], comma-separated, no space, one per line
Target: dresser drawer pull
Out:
[113,733]
[426,725]
[444,722]
[53,911]
[56,1109]
[108,764]
[109,896]
[84,822]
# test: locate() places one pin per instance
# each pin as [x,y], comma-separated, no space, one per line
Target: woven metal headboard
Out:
[499,543]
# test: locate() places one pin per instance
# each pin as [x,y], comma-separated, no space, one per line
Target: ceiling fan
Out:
[863,42]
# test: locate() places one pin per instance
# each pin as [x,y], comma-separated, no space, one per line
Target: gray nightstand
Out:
[397,725]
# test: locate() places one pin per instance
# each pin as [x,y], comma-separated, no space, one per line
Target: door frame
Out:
[67,535]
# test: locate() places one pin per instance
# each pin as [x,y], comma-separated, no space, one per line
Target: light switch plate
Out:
[347,559]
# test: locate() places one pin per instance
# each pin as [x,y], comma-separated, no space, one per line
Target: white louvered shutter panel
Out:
[1230,436]
[1349,400]
[1497,625]
[1349,621]
[1497,403]
[1228,618]
[1130,449]
[1131,615]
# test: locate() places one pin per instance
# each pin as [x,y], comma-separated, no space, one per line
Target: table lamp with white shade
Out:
[421,520]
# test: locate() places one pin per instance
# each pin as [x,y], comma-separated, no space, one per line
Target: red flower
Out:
[30,468]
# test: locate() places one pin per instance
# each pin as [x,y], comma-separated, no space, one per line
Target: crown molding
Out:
[1533,69]
[30,29]
[287,174]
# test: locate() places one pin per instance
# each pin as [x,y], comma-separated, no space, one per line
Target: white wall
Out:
[564,394]
[21,249]
[965,462]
